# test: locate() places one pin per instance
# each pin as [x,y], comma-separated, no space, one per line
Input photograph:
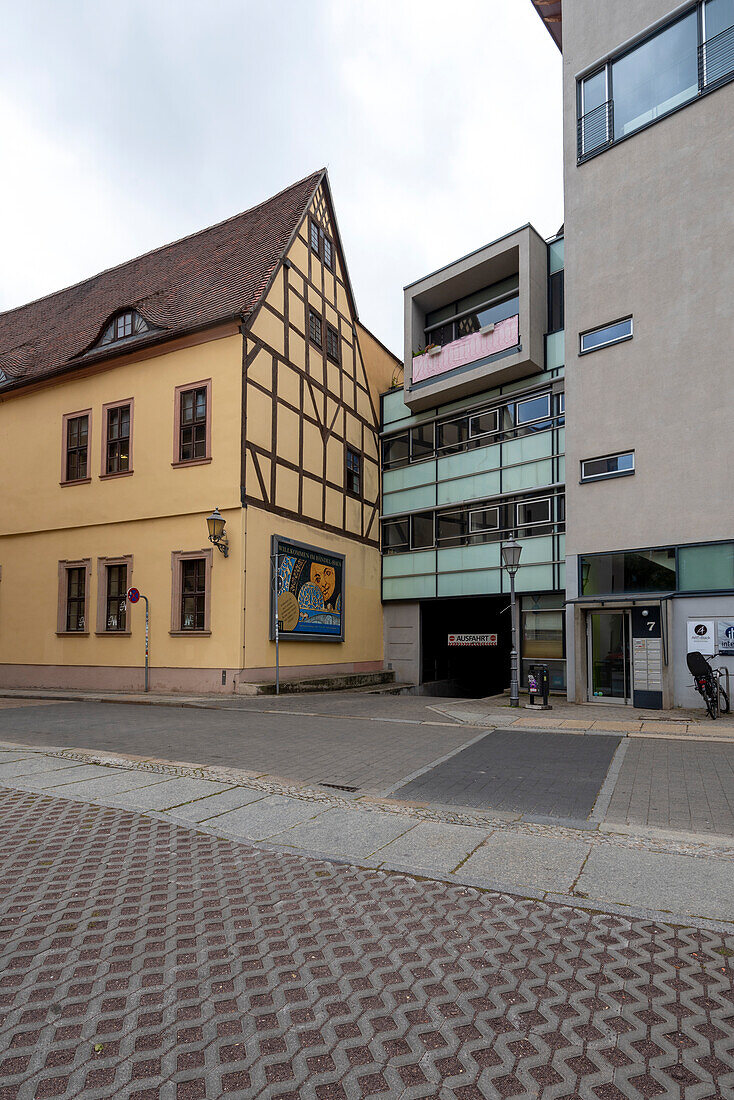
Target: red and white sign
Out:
[472,639]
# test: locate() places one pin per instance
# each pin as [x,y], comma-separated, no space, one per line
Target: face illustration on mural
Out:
[325,577]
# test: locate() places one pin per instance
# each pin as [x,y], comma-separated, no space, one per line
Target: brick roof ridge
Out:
[315,176]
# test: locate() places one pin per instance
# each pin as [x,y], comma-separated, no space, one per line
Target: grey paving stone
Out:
[31,765]
[657,880]
[432,846]
[117,781]
[557,774]
[267,817]
[345,833]
[163,796]
[202,809]
[68,776]
[515,860]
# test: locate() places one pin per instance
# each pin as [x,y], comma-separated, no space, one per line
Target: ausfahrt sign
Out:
[472,639]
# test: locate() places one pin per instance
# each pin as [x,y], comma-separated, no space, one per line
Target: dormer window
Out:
[122,327]
[3,377]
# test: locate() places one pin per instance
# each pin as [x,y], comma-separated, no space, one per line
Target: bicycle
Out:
[708,683]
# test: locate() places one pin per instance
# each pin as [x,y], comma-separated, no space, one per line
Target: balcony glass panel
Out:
[470,488]
[534,578]
[484,555]
[409,477]
[555,350]
[656,77]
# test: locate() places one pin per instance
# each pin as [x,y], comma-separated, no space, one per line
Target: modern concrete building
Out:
[649,224]
[472,453]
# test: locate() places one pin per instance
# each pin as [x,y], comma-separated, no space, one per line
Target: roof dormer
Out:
[124,326]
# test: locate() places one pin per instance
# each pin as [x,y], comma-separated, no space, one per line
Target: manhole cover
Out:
[338,786]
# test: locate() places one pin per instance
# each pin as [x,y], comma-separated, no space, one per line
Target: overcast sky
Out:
[126,125]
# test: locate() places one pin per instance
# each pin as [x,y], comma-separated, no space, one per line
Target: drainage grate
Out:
[338,786]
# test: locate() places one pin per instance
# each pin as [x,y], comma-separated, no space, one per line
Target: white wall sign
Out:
[701,636]
[472,639]
[725,637]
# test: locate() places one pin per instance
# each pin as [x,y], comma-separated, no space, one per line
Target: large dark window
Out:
[193,593]
[77,440]
[656,76]
[396,450]
[192,431]
[421,534]
[556,302]
[396,534]
[118,440]
[628,571]
[75,599]
[691,55]
[467,315]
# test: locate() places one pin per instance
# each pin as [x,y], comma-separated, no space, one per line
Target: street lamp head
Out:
[215,524]
[511,552]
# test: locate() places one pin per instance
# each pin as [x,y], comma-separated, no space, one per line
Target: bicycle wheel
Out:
[723,701]
[710,696]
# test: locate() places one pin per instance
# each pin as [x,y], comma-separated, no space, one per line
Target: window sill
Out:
[77,481]
[72,633]
[193,462]
[606,477]
[190,633]
[113,633]
[122,473]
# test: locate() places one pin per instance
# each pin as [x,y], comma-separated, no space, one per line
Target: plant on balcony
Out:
[428,347]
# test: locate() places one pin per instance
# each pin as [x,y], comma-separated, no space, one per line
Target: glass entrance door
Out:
[608,634]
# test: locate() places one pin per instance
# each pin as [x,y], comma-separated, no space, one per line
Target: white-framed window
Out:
[617,465]
[484,519]
[484,423]
[532,512]
[605,335]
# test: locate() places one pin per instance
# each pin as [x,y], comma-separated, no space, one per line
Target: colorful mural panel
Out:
[308,585]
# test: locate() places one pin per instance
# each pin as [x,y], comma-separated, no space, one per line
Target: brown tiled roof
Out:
[217,274]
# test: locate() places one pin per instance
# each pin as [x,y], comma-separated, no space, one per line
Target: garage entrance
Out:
[468,671]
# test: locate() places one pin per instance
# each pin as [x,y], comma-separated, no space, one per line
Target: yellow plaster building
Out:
[229,370]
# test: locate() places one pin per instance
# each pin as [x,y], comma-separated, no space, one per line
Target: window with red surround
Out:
[117,438]
[73,602]
[192,424]
[191,592]
[75,431]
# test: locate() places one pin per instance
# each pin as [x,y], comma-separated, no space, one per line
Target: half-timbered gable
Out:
[310,415]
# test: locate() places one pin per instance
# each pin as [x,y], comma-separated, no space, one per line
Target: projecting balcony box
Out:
[478,322]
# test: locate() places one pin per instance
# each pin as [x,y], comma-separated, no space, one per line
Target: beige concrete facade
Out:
[649,234]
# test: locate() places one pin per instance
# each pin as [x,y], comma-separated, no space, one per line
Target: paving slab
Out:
[266,817]
[118,781]
[212,806]
[516,860]
[343,833]
[432,846]
[658,880]
[71,774]
[32,764]
[163,795]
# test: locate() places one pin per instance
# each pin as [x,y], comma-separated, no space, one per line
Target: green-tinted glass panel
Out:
[408,588]
[533,578]
[470,488]
[409,477]
[706,568]
[408,500]
[482,583]
[536,550]
[555,349]
[407,565]
[484,555]
[555,257]
[475,461]
[529,476]
[628,571]
[528,448]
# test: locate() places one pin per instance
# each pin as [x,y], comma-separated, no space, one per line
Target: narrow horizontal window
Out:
[592,469]
[485,519]
[531,512]
[608,334]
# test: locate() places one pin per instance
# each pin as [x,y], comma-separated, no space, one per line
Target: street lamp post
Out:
[511,551]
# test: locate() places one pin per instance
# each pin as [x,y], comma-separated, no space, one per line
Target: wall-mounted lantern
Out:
[215,523]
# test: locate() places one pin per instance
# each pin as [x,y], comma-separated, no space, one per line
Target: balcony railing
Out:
[595,130]
[716,60]
[504,336]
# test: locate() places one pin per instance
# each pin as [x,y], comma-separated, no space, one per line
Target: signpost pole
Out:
[147,641]
[276,582]
[514,685]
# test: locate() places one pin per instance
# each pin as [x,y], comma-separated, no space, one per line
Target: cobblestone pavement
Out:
[145,961]
[558,774]
[676,784]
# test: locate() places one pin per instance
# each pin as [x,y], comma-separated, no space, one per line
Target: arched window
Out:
[122,327]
